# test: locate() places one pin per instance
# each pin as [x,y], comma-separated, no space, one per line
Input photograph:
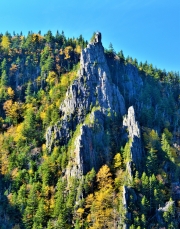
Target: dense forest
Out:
[37,73]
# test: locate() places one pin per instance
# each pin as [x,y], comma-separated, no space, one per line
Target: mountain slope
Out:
[90,145]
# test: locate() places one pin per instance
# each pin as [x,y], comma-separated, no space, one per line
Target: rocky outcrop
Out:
[127,78]
[168,205]
[125,207]
[126,216]
[132,127]
[91,148]
[93,88]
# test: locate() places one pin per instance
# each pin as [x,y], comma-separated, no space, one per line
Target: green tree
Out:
[169,215]
[121,55]
[143,220]
[49,37]
[29,92]
[111,49]
[21,198]
[40,217]
[3,86]
[30,210]
[145,184]
[152,161]
[60,200]
[4,65]
[144,205]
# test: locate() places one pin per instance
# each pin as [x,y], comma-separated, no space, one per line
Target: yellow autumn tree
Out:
[13,110]
[10,92]
[117,161]
[67,52]
[78,49]
[19,133]
[52,78]
[101,205]
[104,177]
[5,43]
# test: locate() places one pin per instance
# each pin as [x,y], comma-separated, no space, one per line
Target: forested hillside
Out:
[88,138]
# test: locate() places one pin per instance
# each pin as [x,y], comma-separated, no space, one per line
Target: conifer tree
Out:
[40,218]
[31,208]
[3,86]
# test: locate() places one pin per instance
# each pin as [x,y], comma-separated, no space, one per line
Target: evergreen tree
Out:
[3,86]
[29,92]
[31,208]
[152,161]
[40,217]
[4,65]
[144,205]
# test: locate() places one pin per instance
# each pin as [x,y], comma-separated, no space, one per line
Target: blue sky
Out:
[145,29]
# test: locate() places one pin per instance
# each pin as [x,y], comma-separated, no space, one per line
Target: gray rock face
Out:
[127,215]
[91,148]
[127,78]
[132,127]
[93,88]
[98,37]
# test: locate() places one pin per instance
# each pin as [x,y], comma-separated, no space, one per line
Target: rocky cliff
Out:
[91,102]
[126,77]
[134,135]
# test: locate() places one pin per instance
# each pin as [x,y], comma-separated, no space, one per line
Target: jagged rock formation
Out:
[91,146]
[126,215]
[126,77]
[92,89]
[134,135]
[125,206]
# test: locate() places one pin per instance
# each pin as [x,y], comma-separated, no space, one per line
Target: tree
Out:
[4,65]
[168,135]
[4,79]
[21,199]
[40,217]
[5,43]
[13,110]
[121,56]
[166,147]
[145,184]
[10,92]
[169,215]
[143,220]
[93,37]
[117,161]
[104,177]
[30,132]
[49,64]
[3,84]
[29,92]
[102,207]
[152,161]
[31,208]
[67,51]
[52,78]
[49,37]
[144,205]
[137,181]
[111,49]
[89,181]
[60,207]
[127,152]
